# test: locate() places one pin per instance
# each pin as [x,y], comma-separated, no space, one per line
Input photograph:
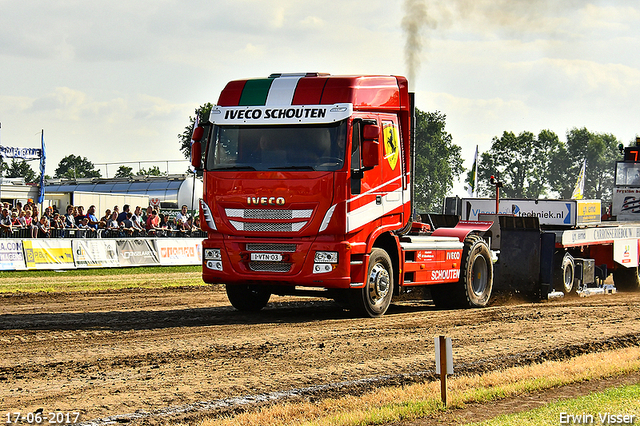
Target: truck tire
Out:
[565,275]
[475,286]
[374,298]
[247,298]
[476,274]
[626,279]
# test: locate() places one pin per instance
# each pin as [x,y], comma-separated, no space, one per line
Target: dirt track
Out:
[111,353]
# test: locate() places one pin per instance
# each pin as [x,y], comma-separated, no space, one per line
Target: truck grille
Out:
[281,248]
[268,214]
[264,214]
[269,267]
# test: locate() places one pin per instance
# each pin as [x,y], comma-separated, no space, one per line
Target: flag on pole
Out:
[578,190]
[42,164]
[472,189]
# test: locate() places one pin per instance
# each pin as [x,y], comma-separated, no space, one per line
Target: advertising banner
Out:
[95,253]
[48,254]
[625,252]
[626,203]
[11,255]
[137,252]
[548,212]
[179,251]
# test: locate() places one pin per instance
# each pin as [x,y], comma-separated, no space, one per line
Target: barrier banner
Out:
[48,254]
[137,252]
[95,253]
[11,255]
[179,251]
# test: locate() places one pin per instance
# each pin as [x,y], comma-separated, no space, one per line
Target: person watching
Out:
[44,227]
[5,221]
[123,215]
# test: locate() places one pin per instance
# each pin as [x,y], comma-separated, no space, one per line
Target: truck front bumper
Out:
[310,263]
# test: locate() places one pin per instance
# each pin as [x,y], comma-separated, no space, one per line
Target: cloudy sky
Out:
[116,81]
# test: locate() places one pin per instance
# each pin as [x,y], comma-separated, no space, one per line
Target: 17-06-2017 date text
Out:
[40,417]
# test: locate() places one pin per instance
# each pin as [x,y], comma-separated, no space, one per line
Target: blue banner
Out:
[22,153]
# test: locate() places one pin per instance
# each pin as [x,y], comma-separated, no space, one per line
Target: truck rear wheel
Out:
[374,298]
[476,275]
[476,279]
[247,298]
[626,279]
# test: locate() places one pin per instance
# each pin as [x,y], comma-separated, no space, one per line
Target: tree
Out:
[437,160]
[124,172]
[21,169]
[151,171]
[520,162]
[601,152]
[185,137]
[72,167]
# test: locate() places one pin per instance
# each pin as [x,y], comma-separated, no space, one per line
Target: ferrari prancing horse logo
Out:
[391,146]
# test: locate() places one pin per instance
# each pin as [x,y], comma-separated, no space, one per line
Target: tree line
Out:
[543,166]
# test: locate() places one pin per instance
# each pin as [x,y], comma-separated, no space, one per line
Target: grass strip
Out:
[99,279]
[620,405]
[392,404]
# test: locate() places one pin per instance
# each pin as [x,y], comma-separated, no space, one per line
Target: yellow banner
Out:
[48,254]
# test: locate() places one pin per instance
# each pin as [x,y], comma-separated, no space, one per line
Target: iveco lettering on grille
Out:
[270,201]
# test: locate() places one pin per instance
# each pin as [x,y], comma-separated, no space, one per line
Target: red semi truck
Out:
[308,190]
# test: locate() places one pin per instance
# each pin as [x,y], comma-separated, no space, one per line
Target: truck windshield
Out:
[290,147]
[627,174]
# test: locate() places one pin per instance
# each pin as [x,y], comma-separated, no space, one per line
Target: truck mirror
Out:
[196,155]
[370,146]
[198,132]
[370,132]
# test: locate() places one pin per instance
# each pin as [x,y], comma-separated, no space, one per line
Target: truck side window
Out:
[356,163]
[355,145]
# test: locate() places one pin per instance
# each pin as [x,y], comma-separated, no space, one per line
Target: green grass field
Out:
[619,405]
[99,279]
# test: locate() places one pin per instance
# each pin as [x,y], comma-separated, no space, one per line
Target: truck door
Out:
[392,165]
[377,192]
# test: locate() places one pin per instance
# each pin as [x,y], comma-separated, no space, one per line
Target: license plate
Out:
[266,257]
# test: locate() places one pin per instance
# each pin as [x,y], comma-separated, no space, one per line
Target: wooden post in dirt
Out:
[444,363]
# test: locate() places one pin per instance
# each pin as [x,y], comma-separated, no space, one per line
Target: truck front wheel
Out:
[247,298]
[374,298]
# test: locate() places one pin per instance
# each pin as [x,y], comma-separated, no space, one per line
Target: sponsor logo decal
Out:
[274,113]
[266,201]
[445,274]
[453,255]
[391,144]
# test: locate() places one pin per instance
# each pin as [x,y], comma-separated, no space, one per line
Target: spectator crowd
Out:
[28,222]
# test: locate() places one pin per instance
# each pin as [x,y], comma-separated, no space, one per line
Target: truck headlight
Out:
[326,257]
[212,254]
